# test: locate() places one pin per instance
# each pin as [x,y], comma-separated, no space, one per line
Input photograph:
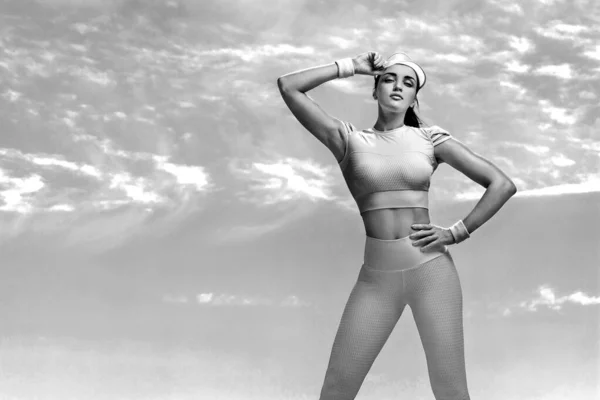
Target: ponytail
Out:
[411,118]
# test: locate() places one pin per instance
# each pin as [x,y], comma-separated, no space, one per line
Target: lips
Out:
[396,97]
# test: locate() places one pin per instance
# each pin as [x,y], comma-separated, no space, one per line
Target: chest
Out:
[401,161]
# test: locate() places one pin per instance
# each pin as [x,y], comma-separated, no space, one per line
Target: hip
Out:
[397,254]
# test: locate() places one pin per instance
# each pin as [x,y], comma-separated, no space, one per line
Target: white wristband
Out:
[459,231]
[345,67]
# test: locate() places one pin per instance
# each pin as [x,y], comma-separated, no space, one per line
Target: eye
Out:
[388,80]
[408,83]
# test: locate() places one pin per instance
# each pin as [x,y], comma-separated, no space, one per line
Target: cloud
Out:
[155,189]
[81,3]
[347,86]
[593,54]
[508,6]
[452,57]
[186,175]
[517,66]
[84,28]
[547,298]
[16,192]
[287,179]
[562,71]
[342,43]
[62,207]
[558,114]
[586,95]
[521,44]
[12,95]
[134,188]
[589,184]
[562,161]
[151,130]
[51,161]
[229,300]
[562,31]
[260,53]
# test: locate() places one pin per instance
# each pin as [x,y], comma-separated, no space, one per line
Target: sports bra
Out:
[390,169]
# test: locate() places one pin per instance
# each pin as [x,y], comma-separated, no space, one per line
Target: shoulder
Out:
[436,134]
[345,127]
[348,130]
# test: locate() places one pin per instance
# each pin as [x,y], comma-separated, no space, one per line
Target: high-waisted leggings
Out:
[395,274]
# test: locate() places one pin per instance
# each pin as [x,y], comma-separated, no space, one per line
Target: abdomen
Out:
[393,223]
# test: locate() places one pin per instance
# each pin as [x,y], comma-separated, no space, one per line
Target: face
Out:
[397,87]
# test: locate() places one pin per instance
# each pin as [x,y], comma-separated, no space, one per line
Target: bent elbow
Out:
[282,85]
[511,188]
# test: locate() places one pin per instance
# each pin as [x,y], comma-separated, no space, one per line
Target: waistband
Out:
[393,199]
[396,254]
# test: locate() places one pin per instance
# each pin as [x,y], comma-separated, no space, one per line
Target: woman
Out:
[406,262]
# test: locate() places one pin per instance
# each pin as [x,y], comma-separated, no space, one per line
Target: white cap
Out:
[402,58]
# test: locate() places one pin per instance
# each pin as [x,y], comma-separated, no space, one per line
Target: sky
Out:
[168,230]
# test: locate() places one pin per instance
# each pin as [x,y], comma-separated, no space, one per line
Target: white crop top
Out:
[390,169]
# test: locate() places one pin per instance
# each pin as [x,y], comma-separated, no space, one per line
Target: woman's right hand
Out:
[369,63]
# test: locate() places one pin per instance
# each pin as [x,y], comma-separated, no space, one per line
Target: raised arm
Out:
[327,129]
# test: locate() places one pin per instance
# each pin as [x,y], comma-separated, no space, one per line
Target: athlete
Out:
[387,169]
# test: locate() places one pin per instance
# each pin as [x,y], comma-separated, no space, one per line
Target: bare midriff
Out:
[393,223]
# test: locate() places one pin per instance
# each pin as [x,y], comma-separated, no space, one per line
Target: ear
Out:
[374,94]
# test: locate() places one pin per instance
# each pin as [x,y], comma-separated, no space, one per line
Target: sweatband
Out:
[459,231]
[345,67]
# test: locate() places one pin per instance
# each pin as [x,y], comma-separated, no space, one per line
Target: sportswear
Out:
[390,169]
[402,58]
[345,67]
[396,274]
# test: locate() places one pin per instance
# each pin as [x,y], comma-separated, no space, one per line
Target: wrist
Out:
[346,67]
[459,232]
[451,238]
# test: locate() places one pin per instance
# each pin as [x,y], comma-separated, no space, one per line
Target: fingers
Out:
[429,243]
[421,226]
[431,246]
[377,61]
[424,242]
[426,237]
[421,234]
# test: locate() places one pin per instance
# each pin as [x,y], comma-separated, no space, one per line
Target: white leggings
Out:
[395,274]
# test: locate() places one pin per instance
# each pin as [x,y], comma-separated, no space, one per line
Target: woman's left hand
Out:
[430,237]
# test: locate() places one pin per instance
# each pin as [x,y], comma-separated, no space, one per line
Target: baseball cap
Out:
[404,59]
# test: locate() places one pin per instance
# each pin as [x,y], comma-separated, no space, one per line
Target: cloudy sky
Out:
[169,231]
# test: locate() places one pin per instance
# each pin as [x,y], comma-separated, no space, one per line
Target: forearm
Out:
[495,196]
[307,79]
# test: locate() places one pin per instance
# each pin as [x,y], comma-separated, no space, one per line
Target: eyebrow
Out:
[396,75]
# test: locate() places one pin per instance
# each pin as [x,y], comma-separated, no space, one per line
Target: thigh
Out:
[437,305]
[370,314]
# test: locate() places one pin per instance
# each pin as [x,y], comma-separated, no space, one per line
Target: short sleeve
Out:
[347,132]
[437,134]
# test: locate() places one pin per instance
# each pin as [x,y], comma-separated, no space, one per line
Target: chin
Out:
[395,106]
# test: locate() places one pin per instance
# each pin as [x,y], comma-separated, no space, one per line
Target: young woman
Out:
[406,261]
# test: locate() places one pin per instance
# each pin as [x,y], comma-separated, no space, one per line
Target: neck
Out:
[387,121]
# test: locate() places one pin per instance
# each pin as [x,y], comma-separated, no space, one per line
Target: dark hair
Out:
[410,118]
